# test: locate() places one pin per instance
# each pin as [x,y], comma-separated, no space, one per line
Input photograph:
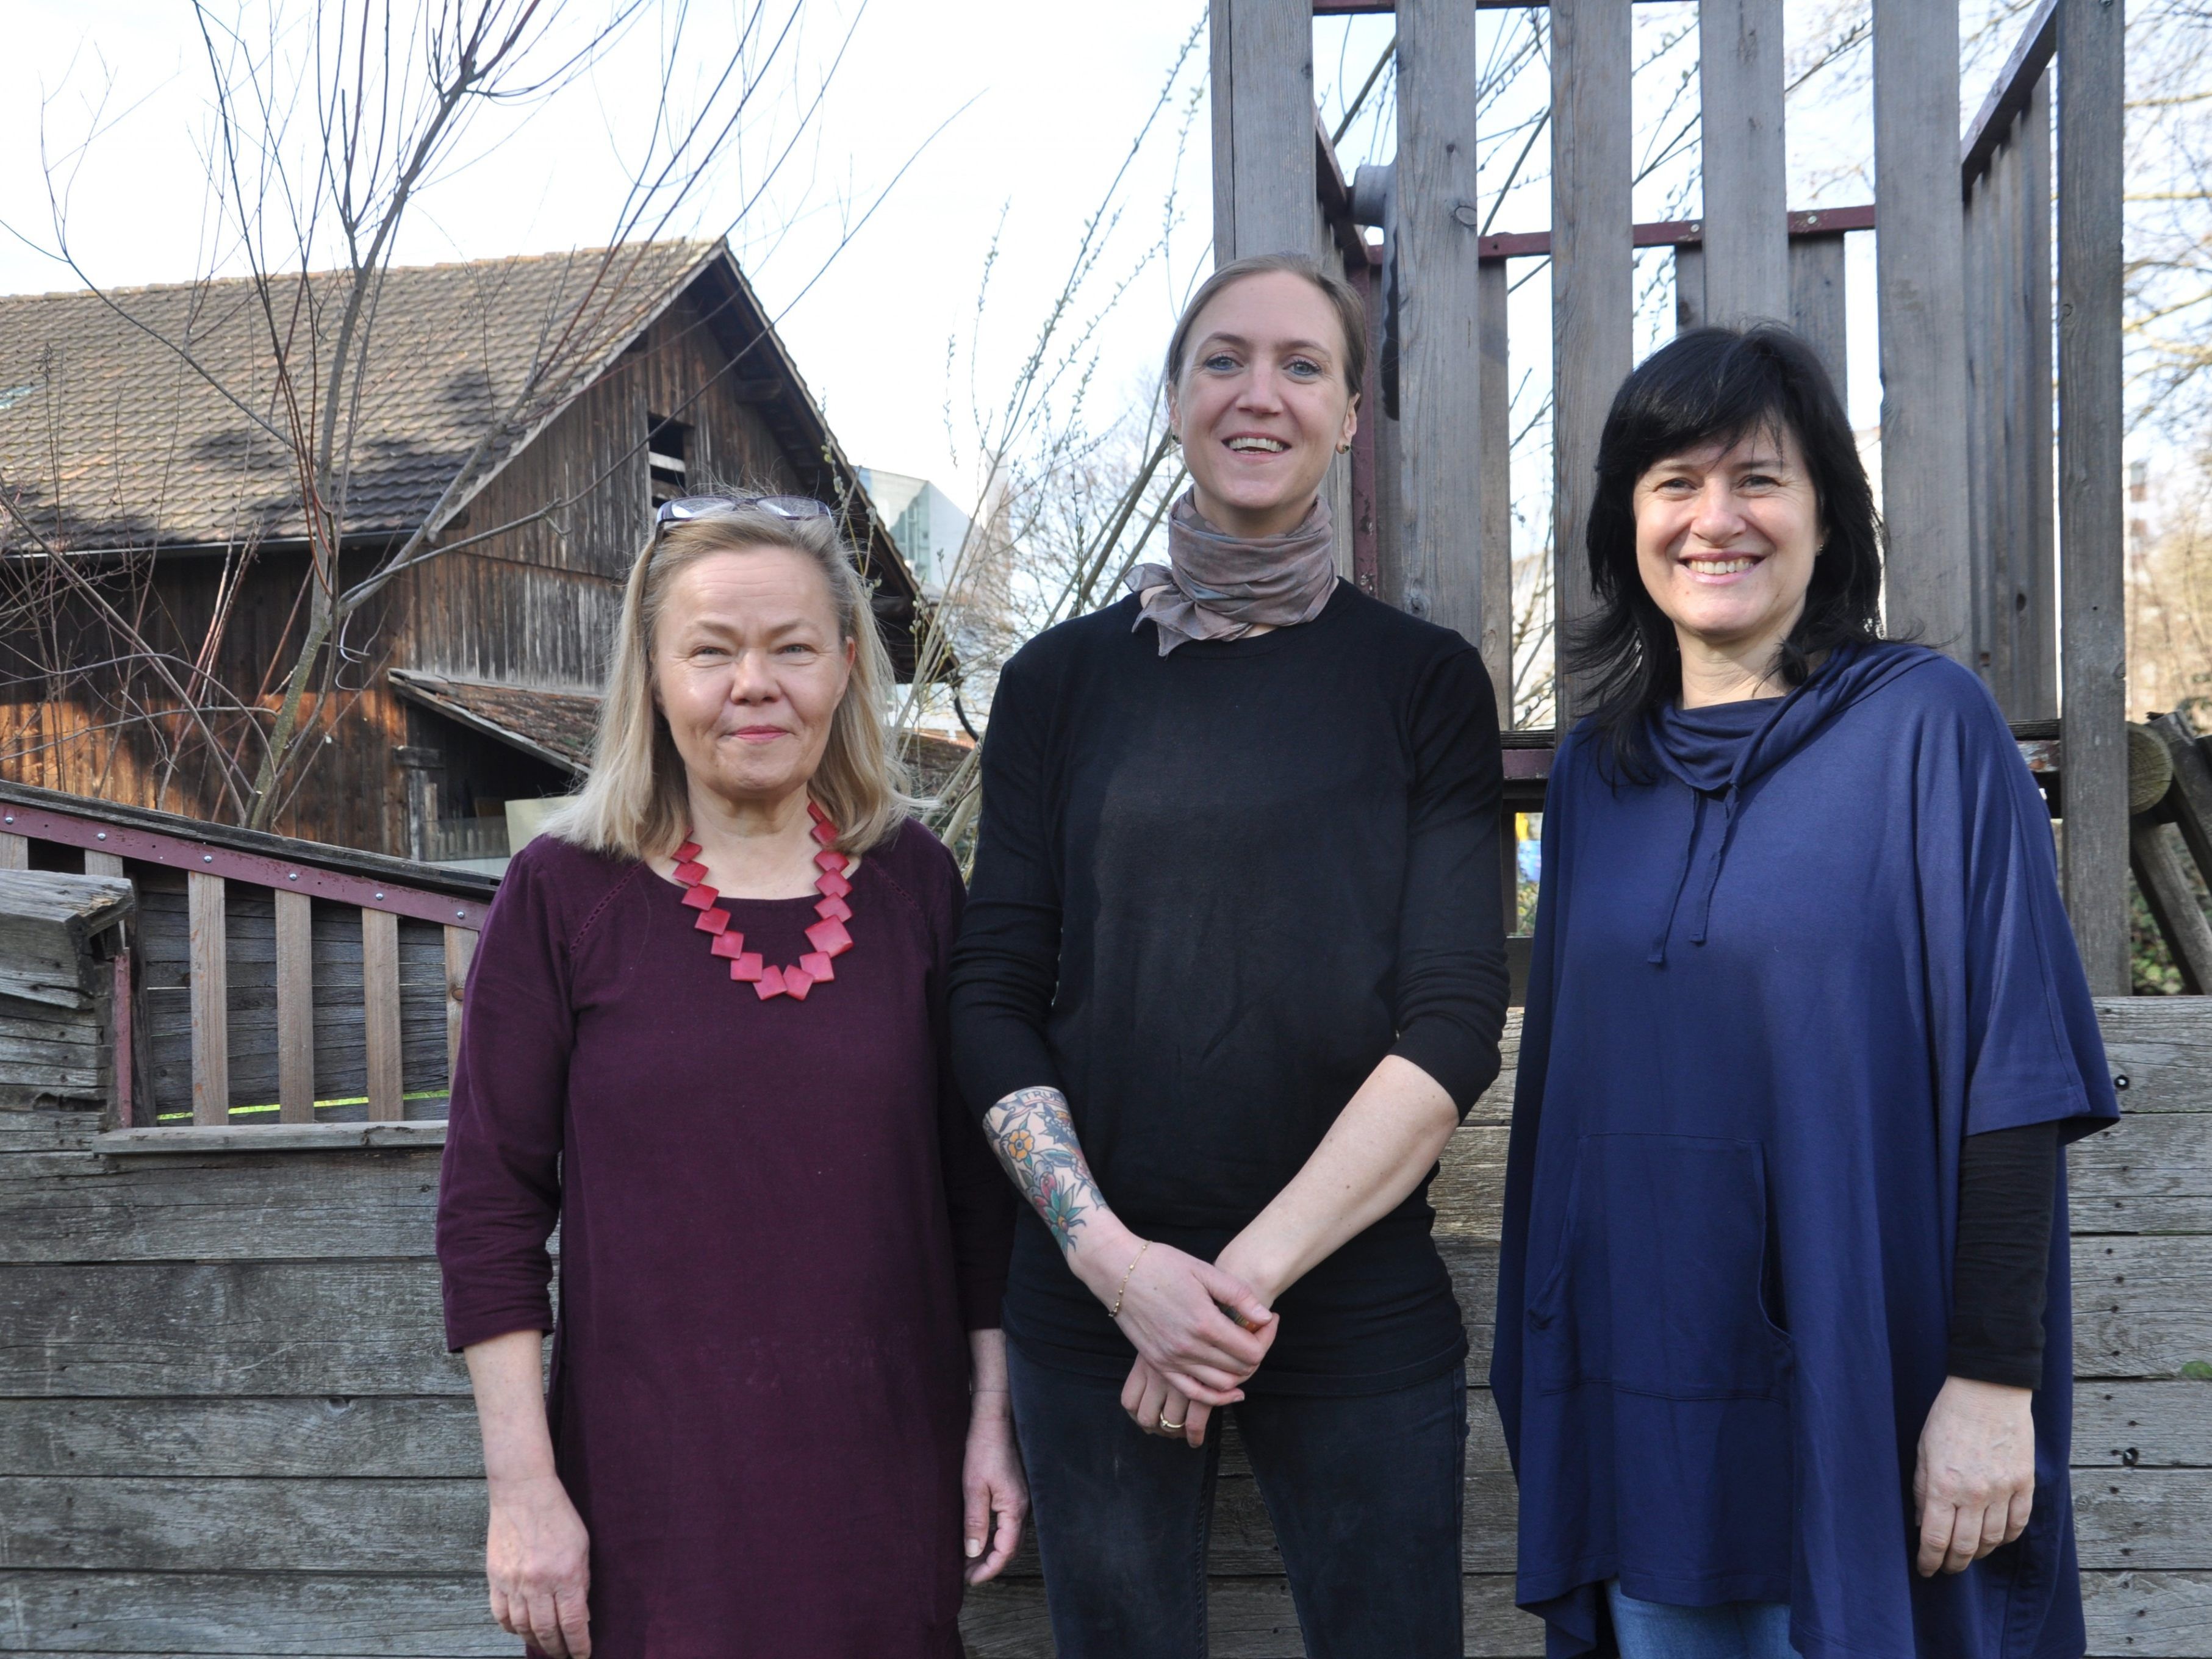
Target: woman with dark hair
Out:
[1783,1348]
[1231,974]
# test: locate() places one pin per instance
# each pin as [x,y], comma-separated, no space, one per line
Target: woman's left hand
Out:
[1974,1482]
[997,1497]
[1157,1406]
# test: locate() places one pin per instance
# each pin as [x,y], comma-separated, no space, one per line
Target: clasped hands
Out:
[1200,1330]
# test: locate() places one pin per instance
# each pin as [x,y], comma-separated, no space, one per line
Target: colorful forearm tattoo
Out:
[1035,1138]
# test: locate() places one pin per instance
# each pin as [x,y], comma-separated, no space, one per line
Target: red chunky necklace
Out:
[828,936]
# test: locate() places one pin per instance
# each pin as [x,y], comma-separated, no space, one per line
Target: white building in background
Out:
[922,519]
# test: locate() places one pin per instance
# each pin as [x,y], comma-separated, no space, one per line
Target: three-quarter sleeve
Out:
[977,1198]
[1008,963]
[1452,985]
[499,1187]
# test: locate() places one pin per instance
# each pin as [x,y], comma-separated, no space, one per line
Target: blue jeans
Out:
[1734,1630]
[1363,1491]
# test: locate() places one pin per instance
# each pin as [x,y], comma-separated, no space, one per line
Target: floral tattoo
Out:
[1035,1138]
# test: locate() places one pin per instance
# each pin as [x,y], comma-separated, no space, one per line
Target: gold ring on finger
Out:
[1172,1428]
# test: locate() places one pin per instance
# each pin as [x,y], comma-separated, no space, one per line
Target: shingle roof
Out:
[554,726]
[147,449]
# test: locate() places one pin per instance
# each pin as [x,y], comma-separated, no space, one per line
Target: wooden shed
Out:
[133,450]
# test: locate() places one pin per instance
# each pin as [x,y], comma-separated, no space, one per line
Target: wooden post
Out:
[1747,213]
[210,999]
[1816,304]
[1495,452]
[1263,127]
[2093,668]
[102,863]
[15,852]
[1919,255]
[460,951]
[296,1007]
[2172,903]
[379,996]
[1439,361]
[1593,261]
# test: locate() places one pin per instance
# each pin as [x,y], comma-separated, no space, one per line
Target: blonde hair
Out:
[634,803]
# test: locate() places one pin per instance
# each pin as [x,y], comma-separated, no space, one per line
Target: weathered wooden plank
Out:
[1747,209]
[1440,364]
[2191,798]
[2148,1518]
[163,1525]
[379,992]
[392,1439]
[84,1207]
[1494,456]
[1593,260]
[14,851]
[97,863]
[302,1614]
[2140,1309]
[2161,1051]
[1817,307]
[2171,902]
[295,1007]
[2143,1426]
[1469,1193]
[460,951]
[324,1328]
[2150,1173]
[1263,127]
[2033,640]
[1919,257]
[211,1003]
[47,925]
[2146,1615]
[2092,619]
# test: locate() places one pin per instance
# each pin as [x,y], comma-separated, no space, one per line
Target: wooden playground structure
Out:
[228,1425]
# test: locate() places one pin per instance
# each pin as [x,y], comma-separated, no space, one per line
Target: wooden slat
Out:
[2143,1426]
[2190,798]
[1817,307]
[172,1614]
[210,1002]
[2140,1309]
[2150,1173]
[2146,1615]
[2160,1049]
[460,951]
[2091,617]
[15,852]
[1263,119]
[1439,357]
[402,1439]
[296,1007]
[1919,260]
[1991,278]
[379,997]
[2173,903]
[1746,188]
[1592,273]
[1495,453]
[102,863]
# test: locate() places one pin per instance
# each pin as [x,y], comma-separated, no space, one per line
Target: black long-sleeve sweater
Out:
[1212,890]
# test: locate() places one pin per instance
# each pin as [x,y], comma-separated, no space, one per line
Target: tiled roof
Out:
[152,449]
[554,726]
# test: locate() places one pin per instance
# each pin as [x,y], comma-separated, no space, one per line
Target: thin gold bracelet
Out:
[1124,1288]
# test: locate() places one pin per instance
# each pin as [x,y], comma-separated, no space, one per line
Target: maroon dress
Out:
[776,1224]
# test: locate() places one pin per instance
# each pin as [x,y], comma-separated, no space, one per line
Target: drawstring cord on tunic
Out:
[1709,878]
[1658,957]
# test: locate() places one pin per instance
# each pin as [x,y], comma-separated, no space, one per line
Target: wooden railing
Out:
[269,981]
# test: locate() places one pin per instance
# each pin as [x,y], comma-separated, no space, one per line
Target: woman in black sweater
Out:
[1232,971]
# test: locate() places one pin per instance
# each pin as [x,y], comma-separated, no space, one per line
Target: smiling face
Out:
[748,671]
[1261,404]
[1725,539]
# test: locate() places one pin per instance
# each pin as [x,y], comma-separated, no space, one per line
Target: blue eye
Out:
[1220,362]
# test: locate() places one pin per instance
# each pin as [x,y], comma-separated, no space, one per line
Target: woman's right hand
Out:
[537,1558]
[1172,1311]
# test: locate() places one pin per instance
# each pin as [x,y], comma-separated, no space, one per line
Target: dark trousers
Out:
[1363,1491]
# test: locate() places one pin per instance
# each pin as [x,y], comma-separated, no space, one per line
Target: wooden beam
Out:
[1263,118]
[379,997]
[2092,92]
[2171,902]
[210,999]
[1817,307]
[2191,796]
[2012,91]
[460,951]
[1745,177]
[1683,232]
[1495,452]
[1919,258]
[1439,360]
[1592,273]
[296,1007]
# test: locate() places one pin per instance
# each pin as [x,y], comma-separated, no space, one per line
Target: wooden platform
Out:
[228,1425]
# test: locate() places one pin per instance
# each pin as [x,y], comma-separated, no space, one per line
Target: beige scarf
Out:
[1216,586]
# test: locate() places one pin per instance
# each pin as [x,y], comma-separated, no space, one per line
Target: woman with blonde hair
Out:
[703,1037]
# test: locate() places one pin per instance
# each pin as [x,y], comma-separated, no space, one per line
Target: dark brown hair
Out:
[1350,311]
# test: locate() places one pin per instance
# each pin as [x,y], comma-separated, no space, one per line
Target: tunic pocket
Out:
[1658,1285]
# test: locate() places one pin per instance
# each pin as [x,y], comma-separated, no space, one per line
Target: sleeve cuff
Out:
[464,1329]
[1461,1069]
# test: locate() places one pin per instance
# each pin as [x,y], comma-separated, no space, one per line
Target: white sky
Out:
[1052,93]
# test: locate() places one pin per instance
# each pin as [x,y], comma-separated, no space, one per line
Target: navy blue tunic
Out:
[1773,992]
